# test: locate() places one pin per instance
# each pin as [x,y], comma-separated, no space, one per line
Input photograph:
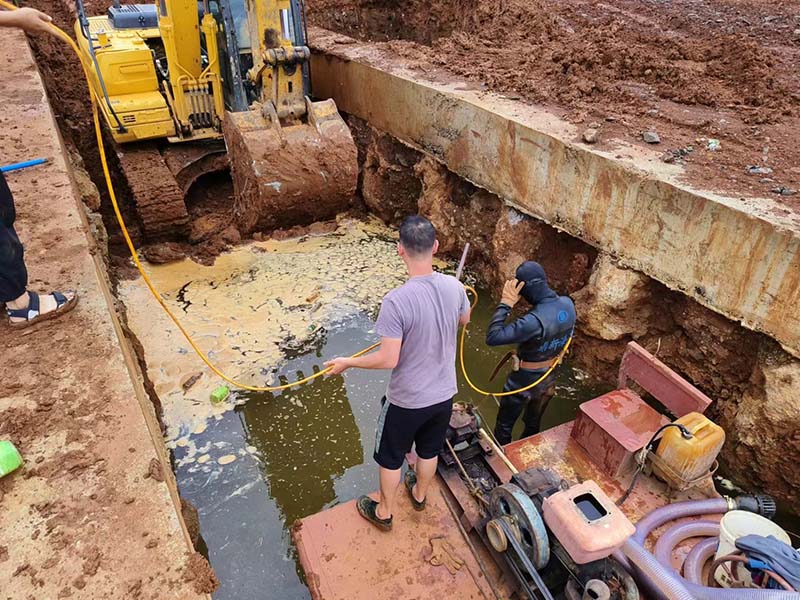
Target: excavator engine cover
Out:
[290,174]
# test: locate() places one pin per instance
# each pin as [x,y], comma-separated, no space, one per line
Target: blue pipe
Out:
[23,165]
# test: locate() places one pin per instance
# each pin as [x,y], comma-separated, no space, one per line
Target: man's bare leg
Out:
[425,470]
[390,480]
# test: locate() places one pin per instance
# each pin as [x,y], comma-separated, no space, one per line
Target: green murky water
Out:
[307,449]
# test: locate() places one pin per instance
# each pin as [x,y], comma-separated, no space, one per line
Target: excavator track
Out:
[159,180]
[158,198]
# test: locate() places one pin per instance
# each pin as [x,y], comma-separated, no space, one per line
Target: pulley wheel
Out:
[497,535]
[510,501]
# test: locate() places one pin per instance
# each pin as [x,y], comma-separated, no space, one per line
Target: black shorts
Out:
[399,428]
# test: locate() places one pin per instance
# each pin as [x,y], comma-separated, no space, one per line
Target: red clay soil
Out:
[690,70]
[92,512]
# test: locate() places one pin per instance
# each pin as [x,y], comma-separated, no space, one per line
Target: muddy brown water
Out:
[310,448]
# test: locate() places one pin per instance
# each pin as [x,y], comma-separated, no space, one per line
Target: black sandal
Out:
[411,480]
[31,314]
[367,508]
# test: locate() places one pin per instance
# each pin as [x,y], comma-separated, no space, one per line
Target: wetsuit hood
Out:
[536,288]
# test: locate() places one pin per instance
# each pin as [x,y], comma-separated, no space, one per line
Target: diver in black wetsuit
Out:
[540,335]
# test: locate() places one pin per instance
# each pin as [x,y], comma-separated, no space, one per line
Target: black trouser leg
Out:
[510,410]
[13,274]
[533,401]
[536,407]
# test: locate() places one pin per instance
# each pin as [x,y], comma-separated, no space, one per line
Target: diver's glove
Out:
[511,291]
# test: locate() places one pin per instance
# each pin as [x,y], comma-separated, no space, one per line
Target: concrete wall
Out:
[739,258]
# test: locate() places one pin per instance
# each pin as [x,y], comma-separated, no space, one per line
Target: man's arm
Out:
[465,309]
[385,357]
[518,331]
[29,19]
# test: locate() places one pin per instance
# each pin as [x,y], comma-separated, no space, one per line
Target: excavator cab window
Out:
[239,14]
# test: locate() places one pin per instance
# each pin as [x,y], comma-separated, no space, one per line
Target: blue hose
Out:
[23,165]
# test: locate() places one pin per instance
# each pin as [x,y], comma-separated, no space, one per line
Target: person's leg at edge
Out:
[394,437]
[390,481]
[13,273]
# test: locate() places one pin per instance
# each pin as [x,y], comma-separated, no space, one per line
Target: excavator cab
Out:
[193,75]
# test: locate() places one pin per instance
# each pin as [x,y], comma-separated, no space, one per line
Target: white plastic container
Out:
[736,524]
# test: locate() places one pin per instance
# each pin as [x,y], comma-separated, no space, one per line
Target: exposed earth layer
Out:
[691,72]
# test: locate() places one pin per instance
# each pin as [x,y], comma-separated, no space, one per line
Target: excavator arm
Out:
[292,160]
[194,91]
[159,73]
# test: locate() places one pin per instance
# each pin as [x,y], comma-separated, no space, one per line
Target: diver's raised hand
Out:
[511,291]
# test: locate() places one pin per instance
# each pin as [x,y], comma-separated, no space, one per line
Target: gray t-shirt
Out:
[424,313]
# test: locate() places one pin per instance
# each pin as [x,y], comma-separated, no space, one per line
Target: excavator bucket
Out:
[285,175]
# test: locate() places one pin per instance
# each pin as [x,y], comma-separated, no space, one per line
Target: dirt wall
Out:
[746,373]
[711,69]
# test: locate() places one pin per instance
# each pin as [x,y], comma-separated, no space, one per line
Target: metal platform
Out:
[346,558]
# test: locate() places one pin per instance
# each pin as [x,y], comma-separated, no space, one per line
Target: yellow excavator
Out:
[181,82]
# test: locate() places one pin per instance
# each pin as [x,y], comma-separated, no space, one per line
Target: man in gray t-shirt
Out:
[418,325]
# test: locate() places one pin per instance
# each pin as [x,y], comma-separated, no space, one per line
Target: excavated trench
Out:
[290,298]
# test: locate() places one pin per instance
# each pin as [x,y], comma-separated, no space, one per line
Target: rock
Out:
[756,170]
[591,136]
[616,303]
[163,253]
[192,520]
[461,212]
[517,239]
[189,380]
[86,187]
[231,235]
[763,428]
[586,86]
[651,137]
[389,187]
[713,145]
[206,226]
[783,191]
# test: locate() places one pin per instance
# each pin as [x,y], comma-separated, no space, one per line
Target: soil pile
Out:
[692,71]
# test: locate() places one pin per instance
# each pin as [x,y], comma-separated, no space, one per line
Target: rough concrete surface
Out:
[92,514]
[740,257]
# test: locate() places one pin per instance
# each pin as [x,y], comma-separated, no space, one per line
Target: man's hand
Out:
[511,291]
[29,19]
[338,365]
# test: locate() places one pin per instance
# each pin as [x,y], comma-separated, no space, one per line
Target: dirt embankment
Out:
[746,373]
[688,71]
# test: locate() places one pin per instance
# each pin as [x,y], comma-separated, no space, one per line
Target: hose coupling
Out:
[760,504]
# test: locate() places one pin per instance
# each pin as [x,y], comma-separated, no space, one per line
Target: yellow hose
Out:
[101,148]
[556,362]
[58,32]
